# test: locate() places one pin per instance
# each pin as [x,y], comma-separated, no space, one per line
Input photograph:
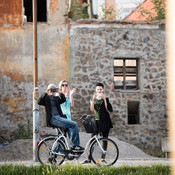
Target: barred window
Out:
[126,73]
[41,10]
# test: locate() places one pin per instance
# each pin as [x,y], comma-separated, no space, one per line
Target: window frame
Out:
[137,114]
[38,12]
[124,74]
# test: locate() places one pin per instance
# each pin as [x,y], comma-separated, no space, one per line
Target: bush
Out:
[22,132]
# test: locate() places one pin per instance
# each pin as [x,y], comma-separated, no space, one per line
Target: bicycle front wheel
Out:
[104,152]
[49,154]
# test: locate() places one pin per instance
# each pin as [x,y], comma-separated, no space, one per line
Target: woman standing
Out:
[99,104]
[65,107]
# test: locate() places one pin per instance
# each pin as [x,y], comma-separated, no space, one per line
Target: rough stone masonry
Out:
[93,48]
[84,51]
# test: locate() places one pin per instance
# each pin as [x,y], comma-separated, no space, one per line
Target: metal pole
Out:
[35,82]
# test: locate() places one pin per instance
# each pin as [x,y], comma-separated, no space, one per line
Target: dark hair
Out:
[100,84]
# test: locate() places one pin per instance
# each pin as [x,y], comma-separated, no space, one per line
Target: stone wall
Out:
[93,48]
[16,72]
[16,61]
[83,52]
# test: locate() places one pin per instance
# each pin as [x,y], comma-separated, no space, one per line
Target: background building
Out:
[119,8]
[129,58]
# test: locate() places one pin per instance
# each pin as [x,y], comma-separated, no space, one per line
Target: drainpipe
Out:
[35,82]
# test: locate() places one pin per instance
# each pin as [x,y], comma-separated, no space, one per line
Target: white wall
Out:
[125,7]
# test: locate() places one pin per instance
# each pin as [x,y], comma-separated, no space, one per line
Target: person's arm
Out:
[109,106]
[92,103]
[105,101]
[41,99]
[71,96]
[72,100]
[61,98]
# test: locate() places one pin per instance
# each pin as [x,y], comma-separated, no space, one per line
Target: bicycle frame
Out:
[94,138]
[63,139]
[60,138]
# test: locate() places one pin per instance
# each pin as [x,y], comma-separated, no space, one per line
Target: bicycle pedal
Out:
[52,160]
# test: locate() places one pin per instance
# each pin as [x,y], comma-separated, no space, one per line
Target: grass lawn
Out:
[67,169]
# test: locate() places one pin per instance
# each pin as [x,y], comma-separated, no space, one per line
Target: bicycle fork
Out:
[103,151]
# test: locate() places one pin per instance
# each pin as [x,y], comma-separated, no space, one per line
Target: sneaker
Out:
[77,148]
[103,161]
[86,161]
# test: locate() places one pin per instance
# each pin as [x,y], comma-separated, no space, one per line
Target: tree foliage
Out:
[159,8]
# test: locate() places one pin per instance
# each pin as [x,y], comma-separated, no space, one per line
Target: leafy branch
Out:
[159,8]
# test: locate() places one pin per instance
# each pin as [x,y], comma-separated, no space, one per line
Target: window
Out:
[133,112]
[126,73]
[41,10]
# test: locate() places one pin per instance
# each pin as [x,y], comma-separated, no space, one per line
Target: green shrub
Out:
[23,132]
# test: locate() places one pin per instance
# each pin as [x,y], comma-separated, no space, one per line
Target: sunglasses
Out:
[64,85]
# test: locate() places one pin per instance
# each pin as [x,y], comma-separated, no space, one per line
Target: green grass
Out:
[9,169]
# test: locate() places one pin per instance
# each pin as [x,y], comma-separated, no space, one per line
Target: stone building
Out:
[16,57]
[129,58]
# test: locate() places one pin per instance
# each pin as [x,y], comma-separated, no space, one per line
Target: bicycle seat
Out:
[54,127]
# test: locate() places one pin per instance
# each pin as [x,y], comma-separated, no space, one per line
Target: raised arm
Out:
[71,96]
[41,100]
[61,98]
[92,102]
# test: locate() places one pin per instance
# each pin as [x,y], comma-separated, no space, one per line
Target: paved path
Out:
[120,162]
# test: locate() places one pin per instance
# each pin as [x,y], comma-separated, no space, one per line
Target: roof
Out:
[136,14]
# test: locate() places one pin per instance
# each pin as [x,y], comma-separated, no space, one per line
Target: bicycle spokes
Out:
[104,151]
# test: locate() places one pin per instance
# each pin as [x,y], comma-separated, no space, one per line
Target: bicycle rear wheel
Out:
[47,154]
[108,158]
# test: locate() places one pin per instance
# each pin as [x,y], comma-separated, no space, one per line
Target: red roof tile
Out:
[136,14]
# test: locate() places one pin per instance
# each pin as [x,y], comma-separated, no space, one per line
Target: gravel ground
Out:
[21,151]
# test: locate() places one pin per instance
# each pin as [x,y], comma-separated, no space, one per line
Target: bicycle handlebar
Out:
[83,117]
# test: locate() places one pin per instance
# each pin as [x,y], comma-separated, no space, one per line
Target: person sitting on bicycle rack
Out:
[66,106]
[100,105]
[55,117]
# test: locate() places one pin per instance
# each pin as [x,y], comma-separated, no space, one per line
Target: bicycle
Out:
[54,150]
